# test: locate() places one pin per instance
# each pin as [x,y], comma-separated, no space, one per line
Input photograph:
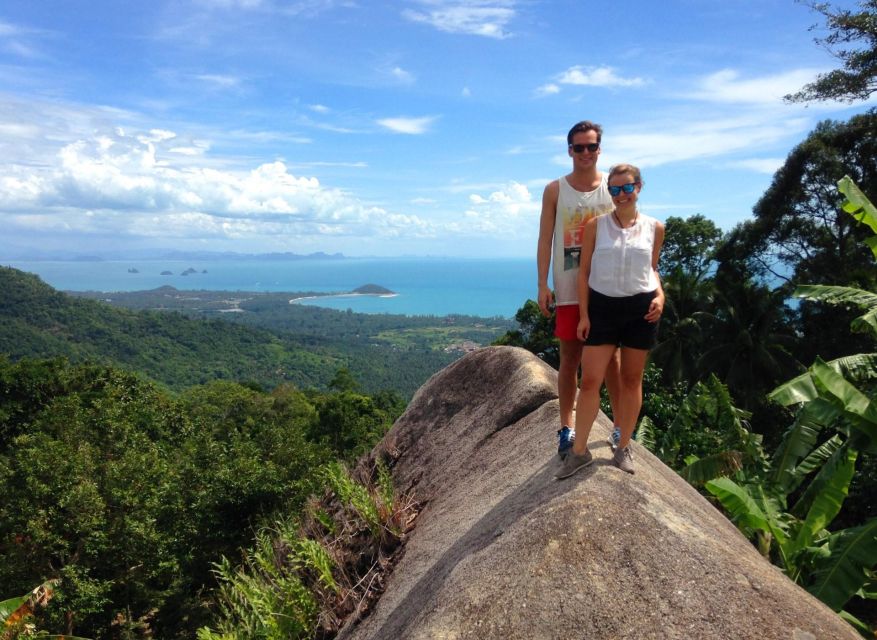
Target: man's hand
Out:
[546,300]
[584,328]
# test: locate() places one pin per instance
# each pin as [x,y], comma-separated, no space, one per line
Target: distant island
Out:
[374,290]
[189,271]
[133,270]
[37,255]
[167,273]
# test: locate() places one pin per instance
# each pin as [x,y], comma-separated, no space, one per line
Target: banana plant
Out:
[815,462]
[15,613]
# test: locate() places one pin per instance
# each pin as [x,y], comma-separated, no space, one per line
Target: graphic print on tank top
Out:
[573,223]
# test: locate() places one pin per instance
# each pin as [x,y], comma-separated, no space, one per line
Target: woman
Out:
[620,303]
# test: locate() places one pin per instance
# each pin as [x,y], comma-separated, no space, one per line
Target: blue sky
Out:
[418,127]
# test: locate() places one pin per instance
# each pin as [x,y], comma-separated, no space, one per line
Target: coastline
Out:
[476,287]
[343,295]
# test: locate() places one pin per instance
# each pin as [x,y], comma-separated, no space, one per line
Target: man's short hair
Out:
[585,125]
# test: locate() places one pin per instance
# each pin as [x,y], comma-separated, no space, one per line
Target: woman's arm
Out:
[656,308]
[589,236]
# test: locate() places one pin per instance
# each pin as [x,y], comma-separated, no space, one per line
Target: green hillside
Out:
[191,342]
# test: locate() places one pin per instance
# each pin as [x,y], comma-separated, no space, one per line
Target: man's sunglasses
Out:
[627,188]
[578,148]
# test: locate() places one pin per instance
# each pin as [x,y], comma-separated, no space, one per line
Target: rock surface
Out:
[503,550]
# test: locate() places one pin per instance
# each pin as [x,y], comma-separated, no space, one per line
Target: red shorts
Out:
[566,321]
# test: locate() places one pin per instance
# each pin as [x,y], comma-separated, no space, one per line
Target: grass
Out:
[308,578]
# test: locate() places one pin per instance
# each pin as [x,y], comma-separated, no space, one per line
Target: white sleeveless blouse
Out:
[622,261]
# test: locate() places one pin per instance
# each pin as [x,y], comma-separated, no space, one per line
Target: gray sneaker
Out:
[623,459]
[572,463]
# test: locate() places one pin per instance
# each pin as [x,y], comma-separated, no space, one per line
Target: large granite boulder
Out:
[503,550]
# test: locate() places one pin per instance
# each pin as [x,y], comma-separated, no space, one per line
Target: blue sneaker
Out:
[565,438]
[614,437]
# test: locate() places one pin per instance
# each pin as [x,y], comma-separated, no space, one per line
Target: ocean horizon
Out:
[485,287]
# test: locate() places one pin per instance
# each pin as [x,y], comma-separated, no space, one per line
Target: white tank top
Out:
[574,209]
[622,261]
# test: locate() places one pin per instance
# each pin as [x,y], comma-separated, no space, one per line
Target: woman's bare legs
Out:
[594,362]
[633,363]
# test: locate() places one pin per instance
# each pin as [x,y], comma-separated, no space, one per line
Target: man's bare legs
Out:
[568,379]
[612,379]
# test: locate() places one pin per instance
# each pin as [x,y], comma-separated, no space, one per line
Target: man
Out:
[567,203]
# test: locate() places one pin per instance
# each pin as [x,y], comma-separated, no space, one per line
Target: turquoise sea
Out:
[425,286]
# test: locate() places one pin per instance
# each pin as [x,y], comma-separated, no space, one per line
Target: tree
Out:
[857,80]
[687,259]
[343,380]
[799,233]
[750,342]
[690,245]
[789,503]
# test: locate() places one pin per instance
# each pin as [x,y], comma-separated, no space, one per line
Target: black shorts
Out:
[621,321]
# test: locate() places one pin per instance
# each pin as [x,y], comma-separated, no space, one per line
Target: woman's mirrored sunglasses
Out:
[627,188]
[592,147]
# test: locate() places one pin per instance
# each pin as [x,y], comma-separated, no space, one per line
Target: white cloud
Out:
[218,80]
[231,4]
[547,89]
[319,108]
[488,18]
[727,86]
[131,185]
[7,29]
[401,75]
[502,211]
[466,92]
[681,140]
[759,165]
[603,76]
[412,126]
[13,39]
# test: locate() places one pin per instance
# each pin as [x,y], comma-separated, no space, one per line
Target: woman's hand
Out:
[656,308]
[584,328]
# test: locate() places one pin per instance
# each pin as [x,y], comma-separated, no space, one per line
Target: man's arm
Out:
[543,250]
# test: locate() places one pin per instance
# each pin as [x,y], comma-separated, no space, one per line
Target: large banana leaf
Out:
[700,470]
[842,573]
[857,407]
[861,367]
[8,606]
[816,459]
[738,503]
[831,488]
[795,391]
[799,440]
[744,509]
[858,206]
[857,368]
[836,295]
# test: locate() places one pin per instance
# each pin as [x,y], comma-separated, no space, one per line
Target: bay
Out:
[483,287]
